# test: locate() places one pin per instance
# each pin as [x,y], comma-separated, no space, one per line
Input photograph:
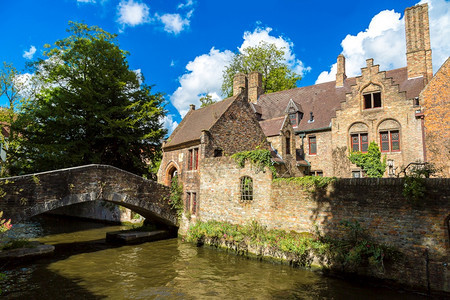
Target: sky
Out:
[182,46]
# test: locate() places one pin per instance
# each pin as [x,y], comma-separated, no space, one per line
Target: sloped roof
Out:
[324,99]
[195,121]
[273,126]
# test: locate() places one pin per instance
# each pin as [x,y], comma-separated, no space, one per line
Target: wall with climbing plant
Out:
[417,228]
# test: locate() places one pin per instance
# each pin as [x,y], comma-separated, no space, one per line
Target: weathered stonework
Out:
[30,195]
[377,204]
[397,112]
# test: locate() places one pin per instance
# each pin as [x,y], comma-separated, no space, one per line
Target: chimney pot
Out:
[192,106]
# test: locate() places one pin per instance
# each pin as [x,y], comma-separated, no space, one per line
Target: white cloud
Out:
[204,75]
[30,53]
[384,41]
[133,13]
[169,123]
[439,13]
[205,71]
[174,23]
[252,39]
[172,63]
[188,3]
[86,1]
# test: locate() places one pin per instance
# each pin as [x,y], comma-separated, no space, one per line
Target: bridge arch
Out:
[30,195]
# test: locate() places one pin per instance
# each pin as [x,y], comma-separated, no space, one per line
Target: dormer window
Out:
[293,118]
[372,100]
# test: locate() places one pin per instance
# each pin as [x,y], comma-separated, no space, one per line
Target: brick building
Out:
[311,130]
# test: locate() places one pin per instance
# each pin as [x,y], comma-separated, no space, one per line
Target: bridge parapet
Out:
[22,197]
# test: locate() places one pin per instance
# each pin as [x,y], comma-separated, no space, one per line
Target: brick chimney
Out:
[340,75]
[239,84]
[418,48]
[254,86]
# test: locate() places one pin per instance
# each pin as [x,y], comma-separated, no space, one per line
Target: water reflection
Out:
[86,268]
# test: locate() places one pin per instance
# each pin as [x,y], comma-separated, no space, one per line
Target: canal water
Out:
[84,267]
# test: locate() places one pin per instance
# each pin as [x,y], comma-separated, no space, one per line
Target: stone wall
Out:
[99,211]
[378,204]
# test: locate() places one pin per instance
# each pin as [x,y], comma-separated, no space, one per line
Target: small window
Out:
[193,159]
[246,188]
[288,145]
[293,119]
[190,160]
[312,145]
[372,100]
[196,158]
[218,152]
[390,141]
[316,173]
[359,142]
[187,203]
[357,174]
[194,203]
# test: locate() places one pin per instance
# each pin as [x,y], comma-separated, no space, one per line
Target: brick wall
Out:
[236,130]
[396,113]
[435,99]
[377,204]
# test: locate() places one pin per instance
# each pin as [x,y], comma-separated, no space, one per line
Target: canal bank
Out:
[85,267]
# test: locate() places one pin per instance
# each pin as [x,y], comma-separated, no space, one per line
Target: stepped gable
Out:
[324,99]
[195,121]
[273,126]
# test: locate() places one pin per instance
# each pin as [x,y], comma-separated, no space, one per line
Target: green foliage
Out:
[267,59]
[351,253]
[311,183]
[176,196]
[4,225]
[259,158]
[89,108]
[206,100]
[370,162]
[255,234]
[11,89]
[357,250]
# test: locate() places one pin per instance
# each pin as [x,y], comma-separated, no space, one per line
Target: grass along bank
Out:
[349,254]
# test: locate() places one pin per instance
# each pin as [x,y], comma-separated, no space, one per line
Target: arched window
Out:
[246,188]
[389,131]
[359,138]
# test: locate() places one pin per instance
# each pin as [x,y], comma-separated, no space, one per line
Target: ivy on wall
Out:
[370,162]
[259,158]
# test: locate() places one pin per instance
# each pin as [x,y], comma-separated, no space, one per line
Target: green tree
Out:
[370,162]
[10,89]
[268,60]
[90,108]
[206,100]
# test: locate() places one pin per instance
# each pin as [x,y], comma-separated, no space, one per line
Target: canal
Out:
[85,267]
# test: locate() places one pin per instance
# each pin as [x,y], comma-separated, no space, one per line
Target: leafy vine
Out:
[259,158]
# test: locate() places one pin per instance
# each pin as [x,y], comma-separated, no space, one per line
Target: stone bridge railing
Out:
[22,197]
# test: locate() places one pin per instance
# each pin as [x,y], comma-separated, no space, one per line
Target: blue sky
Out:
[182,46]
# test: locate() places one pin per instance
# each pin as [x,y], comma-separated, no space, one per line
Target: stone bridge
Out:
[22,197]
